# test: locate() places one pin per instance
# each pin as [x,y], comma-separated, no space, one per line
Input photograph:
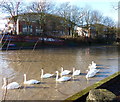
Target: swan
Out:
[75,72]
[47,75]
[91,66]
[94,64]
[13,85]
[64,78]
[92,73]
[30,81]
[65,72]
[95,70]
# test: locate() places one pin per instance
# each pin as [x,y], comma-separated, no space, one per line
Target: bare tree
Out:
[108,22]
[42,7]
[13,8]
[63,10]
[88,17]
[72,15]
[96,17]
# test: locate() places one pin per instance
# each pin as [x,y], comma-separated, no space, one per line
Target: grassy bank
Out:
[109,81]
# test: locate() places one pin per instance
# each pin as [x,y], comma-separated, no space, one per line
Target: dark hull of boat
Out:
[28,42]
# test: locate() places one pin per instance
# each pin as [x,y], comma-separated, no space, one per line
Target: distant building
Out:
[101,31]
[30,24]
[82,32]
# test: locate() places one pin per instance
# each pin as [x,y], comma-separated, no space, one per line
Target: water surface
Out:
[13,64]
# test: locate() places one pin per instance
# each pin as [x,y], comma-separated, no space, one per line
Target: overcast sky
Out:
[106,7]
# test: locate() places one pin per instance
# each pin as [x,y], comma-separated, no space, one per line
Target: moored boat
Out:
[27,42]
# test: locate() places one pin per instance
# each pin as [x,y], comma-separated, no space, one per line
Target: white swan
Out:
[95,70]
[91,66]
[47,75]
[30,81]
[64,78]
[65,72]
[75,72]
[92,73]
[13,85]
[94,64]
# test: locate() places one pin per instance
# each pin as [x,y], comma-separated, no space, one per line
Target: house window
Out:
[38,30]
[30,28]
[24,29]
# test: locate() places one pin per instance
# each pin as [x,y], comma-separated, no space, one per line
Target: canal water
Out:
[14,63]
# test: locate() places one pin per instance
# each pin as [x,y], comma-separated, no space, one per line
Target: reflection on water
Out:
[15,63]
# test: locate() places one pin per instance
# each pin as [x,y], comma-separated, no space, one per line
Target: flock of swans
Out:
[91,72]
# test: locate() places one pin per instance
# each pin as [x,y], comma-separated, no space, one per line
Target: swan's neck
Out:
[57,76]
[41,73]
[61,71]
[4,81]
[73,70]
[24,77]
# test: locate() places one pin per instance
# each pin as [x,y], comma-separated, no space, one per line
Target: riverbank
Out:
[110,83]
[12,42]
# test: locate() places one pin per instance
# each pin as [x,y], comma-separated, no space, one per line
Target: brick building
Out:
[37,24]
